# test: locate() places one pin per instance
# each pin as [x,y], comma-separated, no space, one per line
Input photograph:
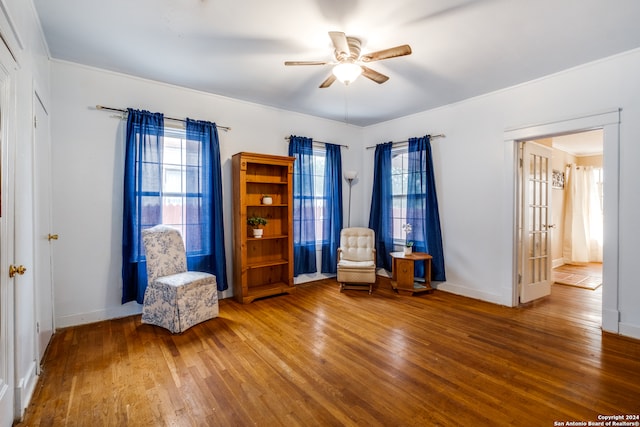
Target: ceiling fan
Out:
[350,64]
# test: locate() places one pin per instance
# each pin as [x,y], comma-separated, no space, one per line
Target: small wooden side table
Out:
[402,276]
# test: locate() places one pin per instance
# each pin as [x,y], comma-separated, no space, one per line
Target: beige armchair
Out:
[357,259]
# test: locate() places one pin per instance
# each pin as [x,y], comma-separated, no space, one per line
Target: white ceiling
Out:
[580,144]
[236,48]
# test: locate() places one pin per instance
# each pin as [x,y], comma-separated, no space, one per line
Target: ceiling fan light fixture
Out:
[347,72]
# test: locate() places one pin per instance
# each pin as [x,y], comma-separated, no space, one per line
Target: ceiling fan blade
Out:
[328,81]
[374,75]
[340,43]
[393,52]
[305,63]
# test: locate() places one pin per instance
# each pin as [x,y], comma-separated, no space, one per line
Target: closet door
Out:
[44,237]
[7,280]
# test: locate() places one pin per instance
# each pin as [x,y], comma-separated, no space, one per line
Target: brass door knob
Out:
[52,237]
[13,270]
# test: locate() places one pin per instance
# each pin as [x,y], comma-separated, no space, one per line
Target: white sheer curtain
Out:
[583,215]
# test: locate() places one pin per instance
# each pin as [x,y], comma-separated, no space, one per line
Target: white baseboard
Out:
[124,310]
[558,262]
[610,320]
[304,278]
[384,273]
[24,390]
[628,330]
[472,293]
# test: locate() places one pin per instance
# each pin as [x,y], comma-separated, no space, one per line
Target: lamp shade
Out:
[349,175]
[347,72]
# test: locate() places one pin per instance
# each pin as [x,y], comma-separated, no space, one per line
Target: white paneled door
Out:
[535,217]
[7,144]
[44,236]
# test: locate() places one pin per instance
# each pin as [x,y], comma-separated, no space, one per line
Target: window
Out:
[399,190]
[173,179]
[319,199]
[313,205]
[179,163]
[598,178]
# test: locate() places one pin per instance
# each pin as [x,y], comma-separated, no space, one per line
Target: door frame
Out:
[609,121]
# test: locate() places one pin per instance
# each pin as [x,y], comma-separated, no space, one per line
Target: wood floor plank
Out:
[329,358]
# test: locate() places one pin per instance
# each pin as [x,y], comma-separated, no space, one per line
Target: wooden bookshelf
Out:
[262,266]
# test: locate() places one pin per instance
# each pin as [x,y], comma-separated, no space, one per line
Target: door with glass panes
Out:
[534,219]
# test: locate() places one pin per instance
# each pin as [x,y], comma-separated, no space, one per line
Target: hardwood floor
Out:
[321,357]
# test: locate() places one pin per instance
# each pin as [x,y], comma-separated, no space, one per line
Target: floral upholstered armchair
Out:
[175,299]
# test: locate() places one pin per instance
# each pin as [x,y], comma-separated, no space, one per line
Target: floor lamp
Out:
[350,176]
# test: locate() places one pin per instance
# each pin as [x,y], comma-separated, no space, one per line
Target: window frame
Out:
[400,197]
[319,199]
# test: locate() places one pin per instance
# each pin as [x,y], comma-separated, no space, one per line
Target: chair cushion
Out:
[192,278]
[357,244]
[355,264]
[164,250]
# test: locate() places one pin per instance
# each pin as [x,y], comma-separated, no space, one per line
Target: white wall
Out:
[475,183]
[88,157]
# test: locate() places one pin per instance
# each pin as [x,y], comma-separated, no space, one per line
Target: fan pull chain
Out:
[346,104]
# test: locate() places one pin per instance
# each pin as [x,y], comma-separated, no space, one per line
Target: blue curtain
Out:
[381,214]
[304,235]
[204,225]
[142,196]
[422,207]
[332,208]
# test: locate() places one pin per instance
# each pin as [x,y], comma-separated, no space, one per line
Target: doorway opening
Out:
[609,122]
[576,215]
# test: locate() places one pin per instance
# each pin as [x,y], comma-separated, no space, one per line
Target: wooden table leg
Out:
[427,274]
[394,274]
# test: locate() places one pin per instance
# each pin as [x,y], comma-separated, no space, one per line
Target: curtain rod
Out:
[287,138]
[440,135]
[100,107]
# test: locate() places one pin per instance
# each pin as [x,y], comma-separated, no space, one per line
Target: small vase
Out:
[267,200]
[257,232]
[408,250]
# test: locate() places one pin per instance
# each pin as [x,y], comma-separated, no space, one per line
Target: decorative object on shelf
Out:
[266,199]
[408,248]
[350,176]
[408,244]
[255,222]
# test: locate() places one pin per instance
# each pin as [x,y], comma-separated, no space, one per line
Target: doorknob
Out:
[52,237]
[13,270]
